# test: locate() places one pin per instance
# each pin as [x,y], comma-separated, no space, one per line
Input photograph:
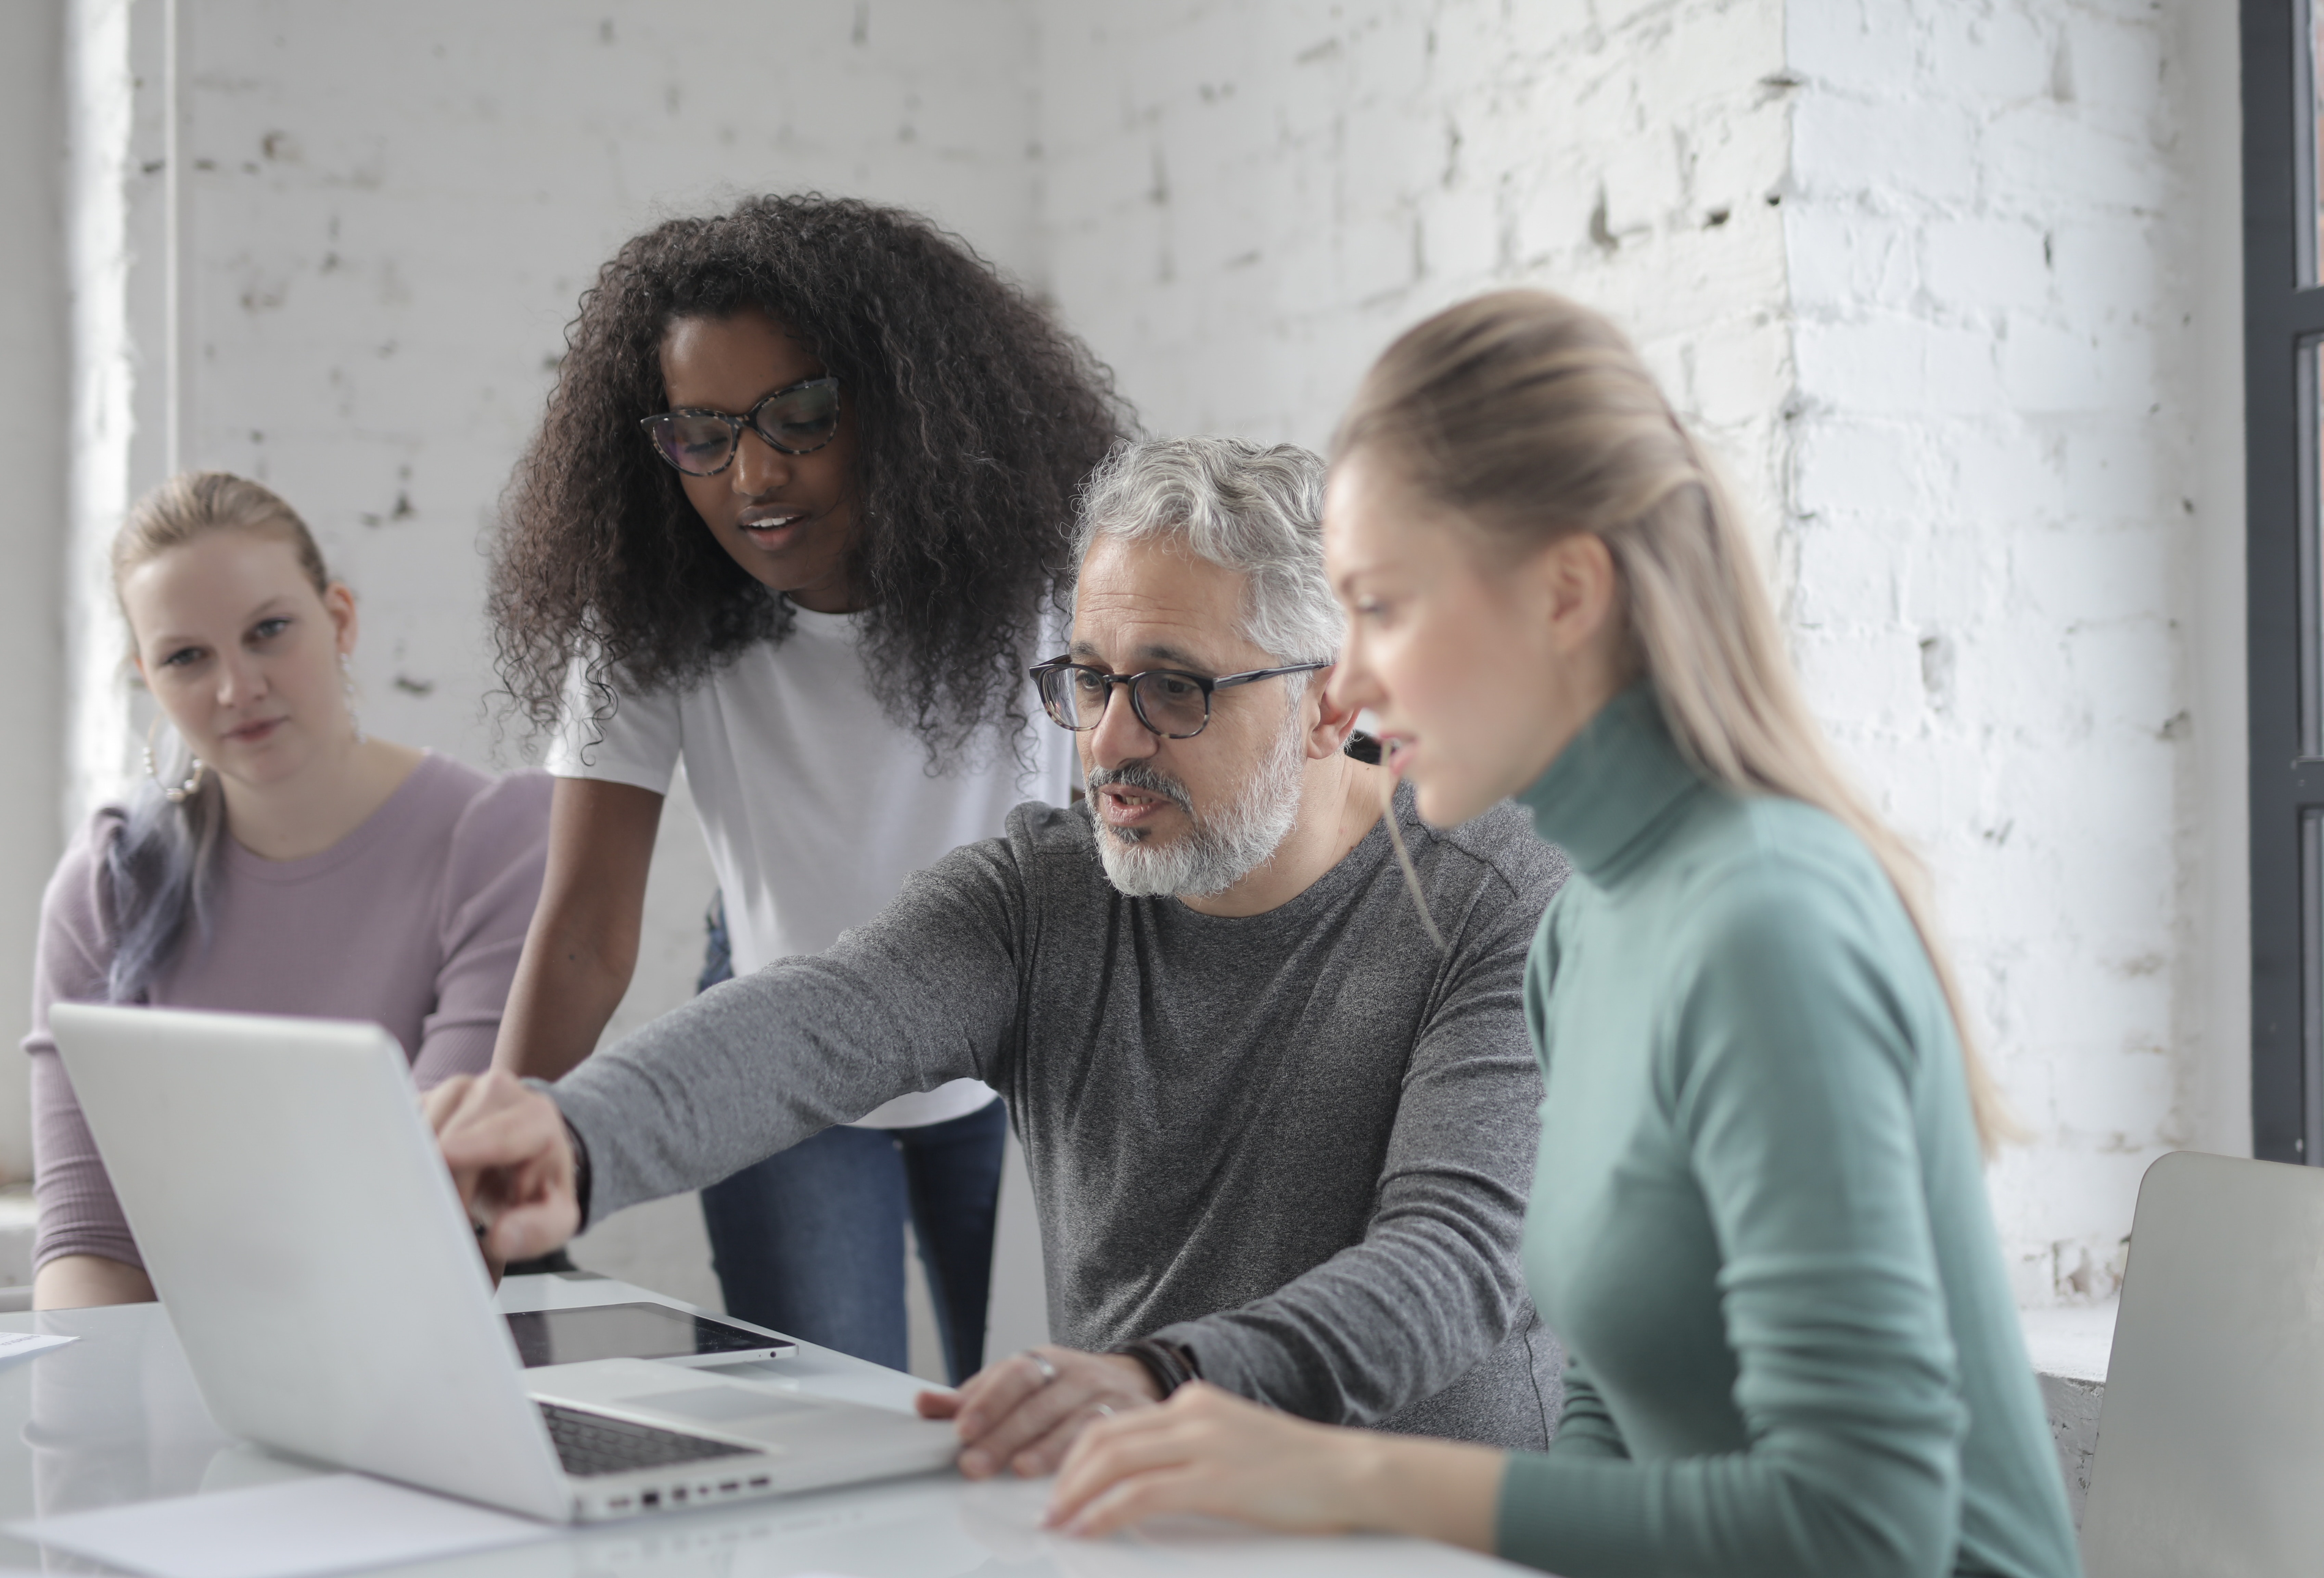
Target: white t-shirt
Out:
[814,806]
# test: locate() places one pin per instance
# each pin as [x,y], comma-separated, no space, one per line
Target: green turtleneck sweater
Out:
[1758,1220]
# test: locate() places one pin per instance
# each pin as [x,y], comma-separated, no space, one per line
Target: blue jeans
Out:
[810,1242]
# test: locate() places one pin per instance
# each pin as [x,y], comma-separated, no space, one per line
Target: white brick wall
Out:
[1997,501]
[1950,284]
[1243,203]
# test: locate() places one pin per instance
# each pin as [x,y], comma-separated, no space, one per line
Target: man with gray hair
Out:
[1279,1118]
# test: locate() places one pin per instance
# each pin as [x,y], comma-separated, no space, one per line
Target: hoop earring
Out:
[348,689]
[176,794]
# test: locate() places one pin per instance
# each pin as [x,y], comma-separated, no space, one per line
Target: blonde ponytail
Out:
[1532,416]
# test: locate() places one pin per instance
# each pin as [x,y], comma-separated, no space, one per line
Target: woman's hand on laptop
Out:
[511,1161]
[1025,1412]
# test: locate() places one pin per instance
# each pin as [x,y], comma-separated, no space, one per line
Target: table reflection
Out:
[114,1416]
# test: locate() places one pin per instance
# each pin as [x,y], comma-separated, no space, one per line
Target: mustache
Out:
[1130,775]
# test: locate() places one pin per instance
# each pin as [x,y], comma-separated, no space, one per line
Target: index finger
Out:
[441,1102]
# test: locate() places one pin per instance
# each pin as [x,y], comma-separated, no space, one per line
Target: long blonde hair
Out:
[1532,418]
[160,869]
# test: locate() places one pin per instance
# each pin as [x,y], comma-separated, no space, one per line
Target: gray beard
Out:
[1217,851]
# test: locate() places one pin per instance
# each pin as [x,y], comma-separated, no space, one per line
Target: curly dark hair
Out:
[976,418]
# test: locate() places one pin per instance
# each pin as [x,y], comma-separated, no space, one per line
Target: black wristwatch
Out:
[1169,1364]
[580,1172]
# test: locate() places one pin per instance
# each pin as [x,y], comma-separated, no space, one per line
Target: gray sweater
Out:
[1299,1143]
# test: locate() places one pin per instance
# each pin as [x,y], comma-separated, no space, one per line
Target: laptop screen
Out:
[627,1331]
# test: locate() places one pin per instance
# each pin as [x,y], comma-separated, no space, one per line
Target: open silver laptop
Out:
[2210,1454]
[305,1237]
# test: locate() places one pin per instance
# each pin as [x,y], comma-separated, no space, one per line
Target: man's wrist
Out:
[580,1171]
[1132,1377]
[1168,1365]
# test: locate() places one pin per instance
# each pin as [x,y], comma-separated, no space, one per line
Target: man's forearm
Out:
[1377,1328]
[638,1114]
[749,1068]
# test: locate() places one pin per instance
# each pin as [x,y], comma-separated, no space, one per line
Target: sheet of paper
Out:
[24,1344]
[333,1523]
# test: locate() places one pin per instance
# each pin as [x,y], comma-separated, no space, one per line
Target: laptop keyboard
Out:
[597,1444]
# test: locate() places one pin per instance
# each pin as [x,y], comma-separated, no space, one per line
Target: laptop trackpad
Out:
[719,1405]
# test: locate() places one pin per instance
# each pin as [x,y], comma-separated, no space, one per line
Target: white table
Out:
[115,1417]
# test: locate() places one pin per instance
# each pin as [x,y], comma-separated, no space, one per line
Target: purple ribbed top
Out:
[414,920]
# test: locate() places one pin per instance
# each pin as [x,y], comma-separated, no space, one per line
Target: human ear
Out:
[1574,586]
[339,603]
[1334,719]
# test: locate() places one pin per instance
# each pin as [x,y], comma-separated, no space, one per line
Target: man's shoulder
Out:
[1499,842]
[1039,846]
[1042,862]
[1053,837]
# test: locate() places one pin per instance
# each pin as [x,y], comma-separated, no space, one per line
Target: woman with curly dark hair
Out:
[796,518]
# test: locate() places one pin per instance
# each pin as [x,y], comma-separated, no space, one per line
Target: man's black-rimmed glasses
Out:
[799,419]
[1170,702]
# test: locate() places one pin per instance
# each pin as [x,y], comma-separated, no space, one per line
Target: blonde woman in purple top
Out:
[278,860]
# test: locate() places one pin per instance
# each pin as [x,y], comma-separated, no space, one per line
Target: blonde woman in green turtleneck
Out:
[1758,1218]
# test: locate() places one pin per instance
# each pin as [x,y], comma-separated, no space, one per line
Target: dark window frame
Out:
[2284,328]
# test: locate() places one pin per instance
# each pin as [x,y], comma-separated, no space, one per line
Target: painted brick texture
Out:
[1992,507]
[1243,204]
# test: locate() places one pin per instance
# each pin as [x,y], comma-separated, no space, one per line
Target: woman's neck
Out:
[308,814]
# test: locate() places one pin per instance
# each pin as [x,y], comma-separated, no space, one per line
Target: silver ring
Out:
[1040,1362]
